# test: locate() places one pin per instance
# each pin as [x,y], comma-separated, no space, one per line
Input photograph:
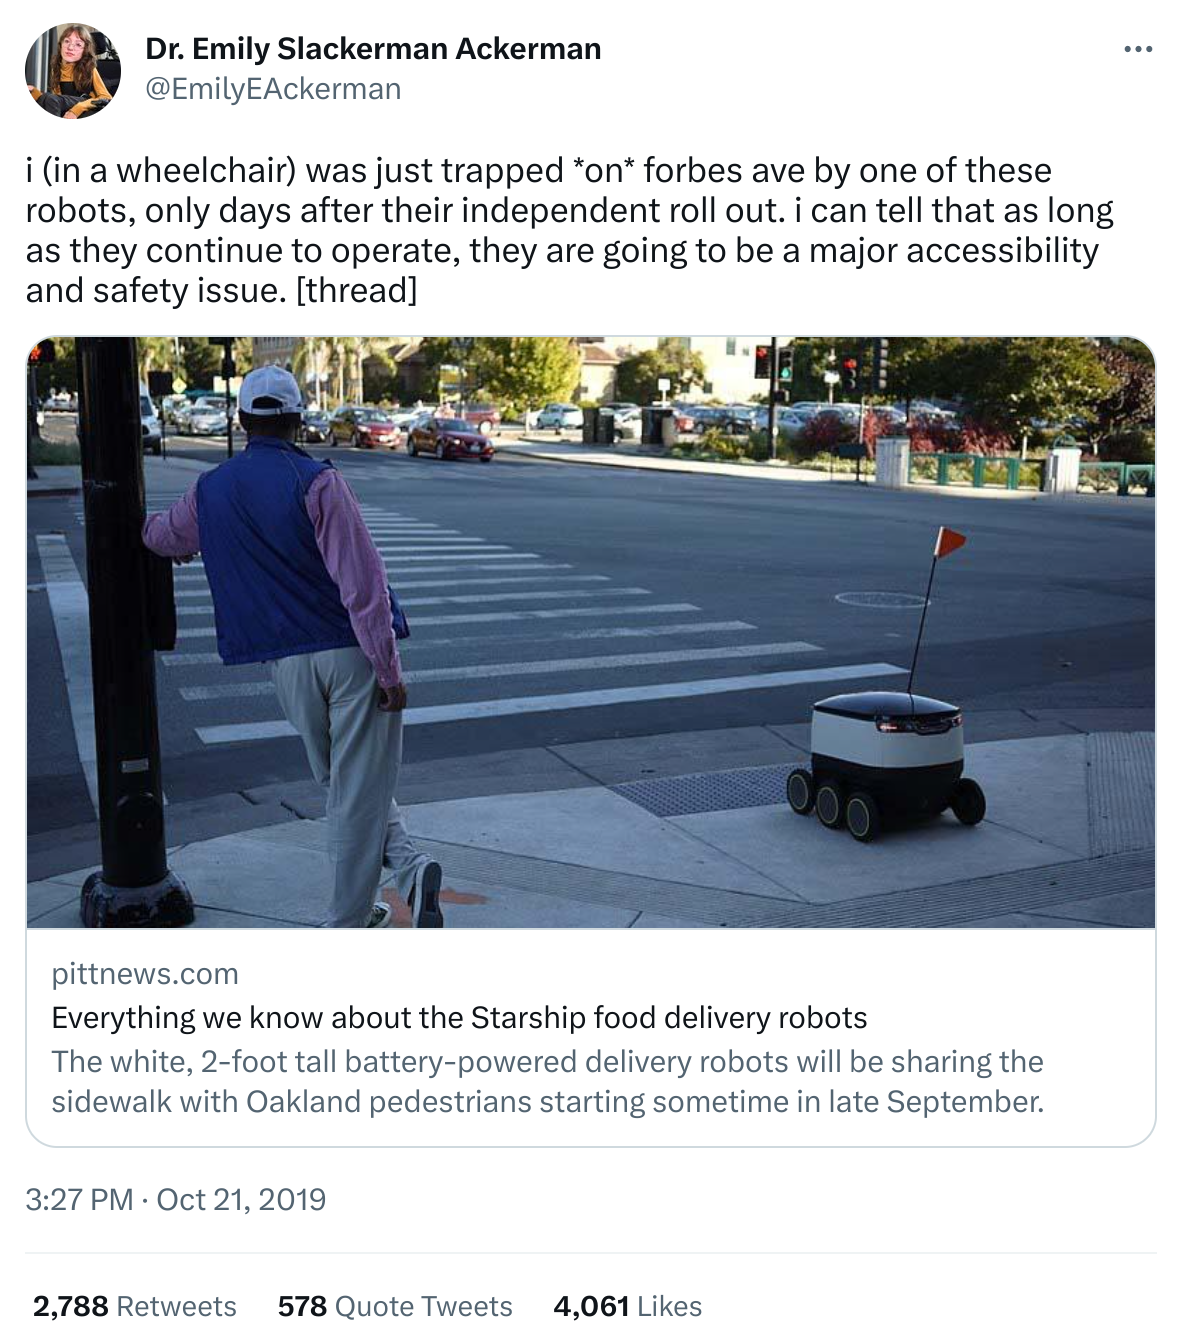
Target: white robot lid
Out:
[873,705]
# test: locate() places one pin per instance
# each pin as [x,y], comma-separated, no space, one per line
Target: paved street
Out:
[556,605]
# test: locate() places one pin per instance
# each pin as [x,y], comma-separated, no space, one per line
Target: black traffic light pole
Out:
[773,386]
[130,599]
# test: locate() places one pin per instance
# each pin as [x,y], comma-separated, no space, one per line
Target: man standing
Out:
[297,583]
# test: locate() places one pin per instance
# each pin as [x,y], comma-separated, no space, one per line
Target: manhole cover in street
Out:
[881,599]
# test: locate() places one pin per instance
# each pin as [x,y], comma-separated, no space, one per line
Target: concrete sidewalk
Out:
[635,835]
[55,480]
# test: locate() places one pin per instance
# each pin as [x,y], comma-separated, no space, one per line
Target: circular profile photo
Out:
[72,71]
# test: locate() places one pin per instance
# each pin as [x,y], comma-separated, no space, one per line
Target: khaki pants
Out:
[354,750]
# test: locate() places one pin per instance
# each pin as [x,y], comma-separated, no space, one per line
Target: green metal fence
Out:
[961,467]
[950,468]
[1126,476]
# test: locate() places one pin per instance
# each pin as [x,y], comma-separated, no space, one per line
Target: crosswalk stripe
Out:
[529,615]
[466,581]
[217,691]
[70,609]
[493,597]
[508,616]
[483,557]
[547,702]
[453,547]
[197,587]
[574,665]
[451,537]
[485,598]
[179,658]
[184,659]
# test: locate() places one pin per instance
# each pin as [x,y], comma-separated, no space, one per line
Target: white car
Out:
[789,421]
[205,421]
[559,416]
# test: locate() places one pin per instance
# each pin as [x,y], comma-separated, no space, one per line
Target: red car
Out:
[358,425]
[449,439]
[484,418]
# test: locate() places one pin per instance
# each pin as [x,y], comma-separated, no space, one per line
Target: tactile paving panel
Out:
[709,792]
[1121,791]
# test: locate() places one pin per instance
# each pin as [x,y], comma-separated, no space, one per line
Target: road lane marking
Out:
[529,615]
[452,548]
[419,601]
[70,608]
[182,659]
[574,665]
[498,581]
[470,557]
[506,616]
[550,702]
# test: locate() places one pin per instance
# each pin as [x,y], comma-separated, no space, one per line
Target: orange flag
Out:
[948,541]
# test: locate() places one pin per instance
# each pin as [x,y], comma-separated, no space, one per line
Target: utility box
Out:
[590,427]
[606,429]
[1062,470]
[892,462]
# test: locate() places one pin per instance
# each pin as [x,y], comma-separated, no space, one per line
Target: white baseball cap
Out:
[268,392]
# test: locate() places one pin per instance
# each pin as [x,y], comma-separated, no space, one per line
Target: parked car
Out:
[788,421]
[316,427]
[448,439]
[725,418]
[484,418]
[205,421]
[559,416]
[358,425]
[149,424]
[172,405]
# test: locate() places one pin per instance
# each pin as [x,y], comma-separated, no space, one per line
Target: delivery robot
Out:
[883,758]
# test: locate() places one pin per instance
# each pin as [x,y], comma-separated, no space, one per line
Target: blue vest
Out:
[272,594]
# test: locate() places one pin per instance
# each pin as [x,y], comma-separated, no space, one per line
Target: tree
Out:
[525,371]
[637,378]
[1013,385]
[156,353]
[309,363]
[1131,402]
[919,368]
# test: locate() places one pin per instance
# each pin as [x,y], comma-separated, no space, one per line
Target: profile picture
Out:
[72,71]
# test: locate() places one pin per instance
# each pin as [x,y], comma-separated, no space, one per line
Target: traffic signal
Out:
[786,360]
[881,358]
[762,362]
[45,352]
[849,376]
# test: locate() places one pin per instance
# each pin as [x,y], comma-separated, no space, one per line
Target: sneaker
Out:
[379,917]
[424,896]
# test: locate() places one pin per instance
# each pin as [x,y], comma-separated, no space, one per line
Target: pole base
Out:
[159,906]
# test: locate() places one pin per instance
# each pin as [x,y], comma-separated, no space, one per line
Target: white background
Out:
[1047,82]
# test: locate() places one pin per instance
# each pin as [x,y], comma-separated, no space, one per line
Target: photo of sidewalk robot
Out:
[881,758]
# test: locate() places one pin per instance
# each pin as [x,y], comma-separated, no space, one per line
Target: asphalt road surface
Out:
[552,603]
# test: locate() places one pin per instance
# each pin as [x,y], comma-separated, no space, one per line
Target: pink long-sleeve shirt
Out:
[346,546]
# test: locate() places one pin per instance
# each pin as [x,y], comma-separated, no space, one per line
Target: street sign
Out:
[832,378]
[663,384]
